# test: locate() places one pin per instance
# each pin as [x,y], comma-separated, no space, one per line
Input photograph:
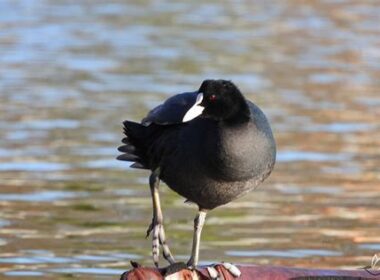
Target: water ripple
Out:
[300,253]
[43,196]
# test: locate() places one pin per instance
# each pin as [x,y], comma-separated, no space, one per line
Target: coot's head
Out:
[220,100]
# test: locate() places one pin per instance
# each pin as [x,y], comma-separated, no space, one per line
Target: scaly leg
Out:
[157,227]
[198,225]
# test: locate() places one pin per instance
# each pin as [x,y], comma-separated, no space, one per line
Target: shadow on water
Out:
[72,71]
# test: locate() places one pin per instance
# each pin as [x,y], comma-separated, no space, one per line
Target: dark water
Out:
[71,71]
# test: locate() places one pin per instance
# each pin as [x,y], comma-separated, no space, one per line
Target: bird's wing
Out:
[172,110]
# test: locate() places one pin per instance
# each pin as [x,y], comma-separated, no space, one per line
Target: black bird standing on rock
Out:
[210,146]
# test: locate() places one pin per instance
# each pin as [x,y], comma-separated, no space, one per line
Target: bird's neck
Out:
[239,116]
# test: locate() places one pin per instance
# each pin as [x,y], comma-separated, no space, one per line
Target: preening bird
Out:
[210,146]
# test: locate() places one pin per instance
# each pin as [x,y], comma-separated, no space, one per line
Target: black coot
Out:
[210,146]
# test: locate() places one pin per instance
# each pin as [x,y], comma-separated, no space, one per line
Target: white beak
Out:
[195,110]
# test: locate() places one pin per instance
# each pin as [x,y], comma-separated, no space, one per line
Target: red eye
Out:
[212,97]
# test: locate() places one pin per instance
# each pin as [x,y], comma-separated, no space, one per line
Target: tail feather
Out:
[128,157]
[134,130]
[134,149]
[129,149]
[138,165]
[125,140]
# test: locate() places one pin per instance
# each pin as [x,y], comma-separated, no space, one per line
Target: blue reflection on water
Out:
[341,127]
[45,257]
[293,189]
[33,166]
[23,273]
[299,253]
[285,156]
[35,260]
[43,196]
[3,223]
[370,246]
[88,270]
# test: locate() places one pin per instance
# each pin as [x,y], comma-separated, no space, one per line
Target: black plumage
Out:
[211,146]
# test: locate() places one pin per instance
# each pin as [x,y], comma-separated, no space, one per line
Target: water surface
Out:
[72,71]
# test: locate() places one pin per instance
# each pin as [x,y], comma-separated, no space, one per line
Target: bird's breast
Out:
[237,153]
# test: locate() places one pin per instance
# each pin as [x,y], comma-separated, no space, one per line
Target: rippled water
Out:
[71,71]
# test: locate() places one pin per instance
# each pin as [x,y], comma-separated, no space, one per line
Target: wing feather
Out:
[172,110]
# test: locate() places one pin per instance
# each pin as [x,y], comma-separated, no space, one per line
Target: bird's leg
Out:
[198,225]
[165,248]
[156,227]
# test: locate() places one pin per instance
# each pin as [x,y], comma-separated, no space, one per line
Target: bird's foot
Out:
[150,228]
[218,271]
[174,268]
[225,271]
[190,264]
[158,238]
[154,228]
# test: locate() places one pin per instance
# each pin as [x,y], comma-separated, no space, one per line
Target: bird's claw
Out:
[223,271]
[149,230]
[232,269]
[214,274]
[156,243]
[156,228]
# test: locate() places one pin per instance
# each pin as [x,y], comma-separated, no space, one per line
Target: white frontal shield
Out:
[195,110]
